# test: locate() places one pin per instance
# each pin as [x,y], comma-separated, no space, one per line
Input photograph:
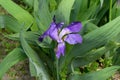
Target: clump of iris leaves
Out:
[96,58]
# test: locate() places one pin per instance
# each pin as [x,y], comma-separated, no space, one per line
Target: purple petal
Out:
[43,36]
[59,25]
[60,49]
[72,28]
[64,32]
[73,38]
[75,27]
[52,32]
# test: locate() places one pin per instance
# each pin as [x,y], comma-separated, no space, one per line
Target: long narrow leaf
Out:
[94,39]
[20,14]
[42,14]
[34,59]
[11,59]
[10,23]
[64,10]
[89,57]
[98,75]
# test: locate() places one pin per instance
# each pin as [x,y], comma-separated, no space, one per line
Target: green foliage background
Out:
[100,32]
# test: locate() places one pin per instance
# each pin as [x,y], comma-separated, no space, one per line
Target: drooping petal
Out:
[60,49]
[73,38]
[43,36]
[52,32]
[74,27]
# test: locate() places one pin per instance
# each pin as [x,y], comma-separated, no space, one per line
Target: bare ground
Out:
[19,71]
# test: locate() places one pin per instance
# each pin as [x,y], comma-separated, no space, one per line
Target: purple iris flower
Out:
[67,34]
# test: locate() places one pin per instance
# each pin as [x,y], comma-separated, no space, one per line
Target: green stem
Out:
[110,11]
[57,69]
[72,68]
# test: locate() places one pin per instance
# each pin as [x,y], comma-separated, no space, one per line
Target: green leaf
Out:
[43,44]
[88,27]
[89,57]
[30,36]
[116,10]
[64,10]
[78,7]
[29,2]
[111,48]
[102,11]
[93,40]
[88,13]
[116,57]
[101,2]
[10,23]
[41,72]
[42,15]
[53,5]
[11,59]
[16,11]
[32,69]
[103,74]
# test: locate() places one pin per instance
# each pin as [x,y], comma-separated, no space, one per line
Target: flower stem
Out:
[110,11]
[72,68]
[57,69]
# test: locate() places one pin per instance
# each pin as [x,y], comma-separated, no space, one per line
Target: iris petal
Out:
[64,32]
[59,25]
[52,32]
[73,38]
[75,27]
[43,36]
[60,49]
[72,28]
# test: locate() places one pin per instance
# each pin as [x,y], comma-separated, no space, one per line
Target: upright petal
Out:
[73,38]
[60,25]
[60,49]
[74,27]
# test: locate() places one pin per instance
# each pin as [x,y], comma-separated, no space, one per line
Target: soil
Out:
[20,71]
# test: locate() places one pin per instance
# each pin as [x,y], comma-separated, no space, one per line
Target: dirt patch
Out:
[116,76]
[20,71]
